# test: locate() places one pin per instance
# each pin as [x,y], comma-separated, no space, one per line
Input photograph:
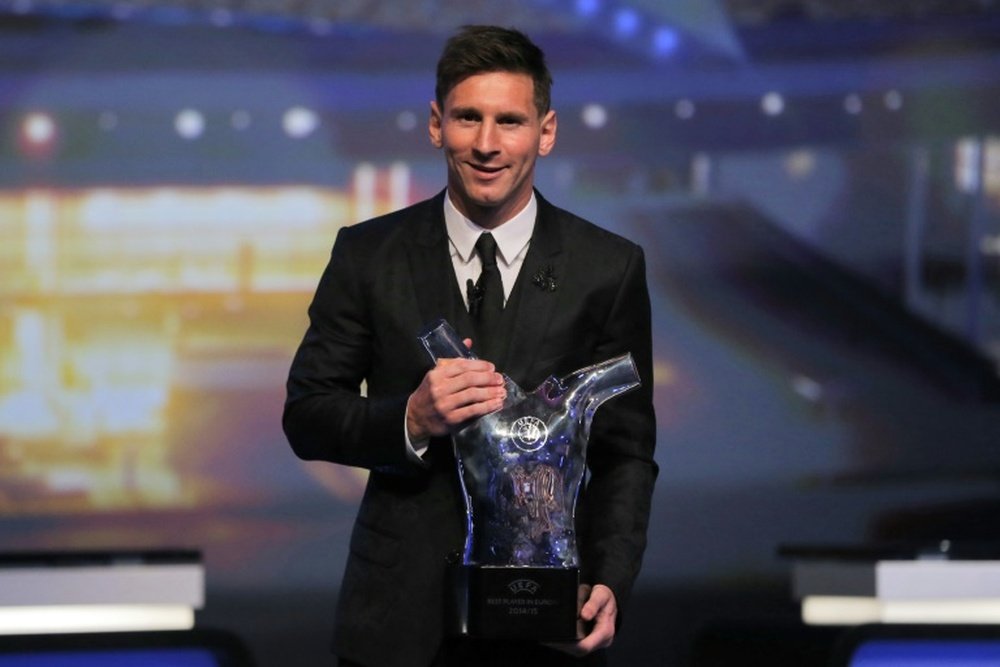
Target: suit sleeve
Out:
[326,417]
[615,504]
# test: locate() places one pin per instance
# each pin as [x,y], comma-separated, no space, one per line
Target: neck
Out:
[488,217]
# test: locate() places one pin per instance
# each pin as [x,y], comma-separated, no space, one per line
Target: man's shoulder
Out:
[403,223]
[579,231]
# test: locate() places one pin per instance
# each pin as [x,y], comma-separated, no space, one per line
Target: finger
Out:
[465,389]
[481,372]
[471,396]
[597,599]
[453,402]
[602,636]
[458,364]
[601,608]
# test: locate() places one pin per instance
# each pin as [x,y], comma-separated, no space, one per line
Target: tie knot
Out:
[486,248]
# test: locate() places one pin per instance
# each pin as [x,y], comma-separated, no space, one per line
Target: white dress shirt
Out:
[512,237]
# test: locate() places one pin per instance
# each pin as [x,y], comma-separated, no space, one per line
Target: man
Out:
[573,295]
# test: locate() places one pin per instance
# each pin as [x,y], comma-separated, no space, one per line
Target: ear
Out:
[434,126]
[548,133]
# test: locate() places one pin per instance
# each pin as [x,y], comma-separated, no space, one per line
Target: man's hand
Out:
[452,392]
[599,611]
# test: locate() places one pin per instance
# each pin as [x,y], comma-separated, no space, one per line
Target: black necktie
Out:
[486,299]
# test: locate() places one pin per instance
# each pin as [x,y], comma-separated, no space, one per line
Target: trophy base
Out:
[529,603]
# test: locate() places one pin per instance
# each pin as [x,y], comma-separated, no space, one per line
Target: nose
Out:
[485,144]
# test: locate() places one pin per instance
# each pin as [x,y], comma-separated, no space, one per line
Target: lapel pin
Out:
[545,279]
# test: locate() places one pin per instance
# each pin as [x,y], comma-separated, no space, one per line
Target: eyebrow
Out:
[465,111]
[515,116]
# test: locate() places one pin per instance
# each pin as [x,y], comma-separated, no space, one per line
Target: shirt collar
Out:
[511,236]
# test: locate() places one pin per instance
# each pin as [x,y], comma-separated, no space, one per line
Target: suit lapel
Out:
[431,271]
[535,302]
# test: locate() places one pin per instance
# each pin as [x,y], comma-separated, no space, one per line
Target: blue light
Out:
[173,16]
[626,22]
[665,41]
[587,7]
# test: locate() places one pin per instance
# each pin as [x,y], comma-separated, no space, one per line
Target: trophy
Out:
[520,470]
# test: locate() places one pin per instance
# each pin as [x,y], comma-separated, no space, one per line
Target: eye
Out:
[467,117]
[512,121]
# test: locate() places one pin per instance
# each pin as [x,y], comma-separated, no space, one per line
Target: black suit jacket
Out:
[387,278]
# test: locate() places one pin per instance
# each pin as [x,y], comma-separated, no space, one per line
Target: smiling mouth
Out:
[486,170]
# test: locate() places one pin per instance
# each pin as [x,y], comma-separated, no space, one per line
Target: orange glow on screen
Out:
[141,329]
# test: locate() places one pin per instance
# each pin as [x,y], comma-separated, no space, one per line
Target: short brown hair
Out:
[477,49]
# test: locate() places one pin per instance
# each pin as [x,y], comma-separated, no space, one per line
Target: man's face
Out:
[491,134]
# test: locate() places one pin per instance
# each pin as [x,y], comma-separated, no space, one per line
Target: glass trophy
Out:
[520,469]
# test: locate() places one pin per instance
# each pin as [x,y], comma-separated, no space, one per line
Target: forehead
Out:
[500,91]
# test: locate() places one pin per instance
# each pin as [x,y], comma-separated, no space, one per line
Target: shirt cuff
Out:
[415,449]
